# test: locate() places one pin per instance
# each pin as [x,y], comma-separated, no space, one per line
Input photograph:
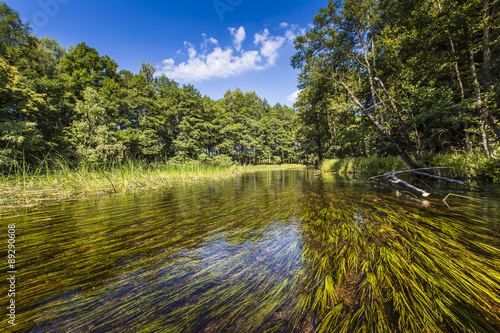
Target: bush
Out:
[369,166]
[221,160]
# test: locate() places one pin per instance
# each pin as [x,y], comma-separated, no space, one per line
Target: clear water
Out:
[278,251]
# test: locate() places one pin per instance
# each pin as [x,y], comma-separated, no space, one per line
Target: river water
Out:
[271,251]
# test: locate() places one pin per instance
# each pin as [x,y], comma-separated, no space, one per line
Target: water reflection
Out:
[271,251]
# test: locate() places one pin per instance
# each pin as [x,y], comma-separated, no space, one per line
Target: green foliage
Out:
[476,166]
[368,166]
[18,104]
[490,170]
[92,136]
[73,103]
[16,138]
[221,160]
[82,67]
[15,38]
[402,78]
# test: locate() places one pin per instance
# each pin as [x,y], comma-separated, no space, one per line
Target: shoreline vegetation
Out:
[26,188]
[476,166]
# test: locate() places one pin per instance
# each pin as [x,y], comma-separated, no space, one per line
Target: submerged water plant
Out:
[274,251]
[371,269]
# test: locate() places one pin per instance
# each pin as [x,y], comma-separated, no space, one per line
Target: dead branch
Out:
[449,180]
[390,177]
[393,172]
[393,180]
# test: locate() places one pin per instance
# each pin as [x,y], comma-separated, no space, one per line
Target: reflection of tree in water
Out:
[370,268]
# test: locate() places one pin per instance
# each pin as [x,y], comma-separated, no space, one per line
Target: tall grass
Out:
[25,184]
[463,166]
[371,165]
[477,166]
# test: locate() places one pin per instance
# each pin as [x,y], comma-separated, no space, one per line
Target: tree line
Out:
[377,77]
[405,77]
[73,104]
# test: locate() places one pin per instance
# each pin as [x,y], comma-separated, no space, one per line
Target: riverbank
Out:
[25,188]
[469,167]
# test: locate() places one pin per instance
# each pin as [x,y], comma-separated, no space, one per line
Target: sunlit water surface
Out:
[279,251]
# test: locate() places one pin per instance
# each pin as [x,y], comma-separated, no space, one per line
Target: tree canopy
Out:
[74,104]
[400,77]
[377,77]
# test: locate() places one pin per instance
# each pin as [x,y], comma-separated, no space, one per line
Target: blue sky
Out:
[215,45]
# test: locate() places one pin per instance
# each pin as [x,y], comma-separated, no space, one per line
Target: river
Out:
[270,251]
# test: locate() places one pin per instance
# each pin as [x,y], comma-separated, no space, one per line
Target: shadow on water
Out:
[274,251]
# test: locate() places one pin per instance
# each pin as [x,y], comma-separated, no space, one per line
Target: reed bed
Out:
[371,165]
[27,186]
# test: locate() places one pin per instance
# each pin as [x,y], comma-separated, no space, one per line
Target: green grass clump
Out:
[371,165]
[468,166]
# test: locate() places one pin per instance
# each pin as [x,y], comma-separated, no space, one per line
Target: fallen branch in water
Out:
[390,177]
[393,180]
[393,172]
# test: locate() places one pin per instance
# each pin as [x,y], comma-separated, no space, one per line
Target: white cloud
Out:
[239,36]
[207,41]
[191,50]
[218,63]
[292,98]
[294,32]
[214,61]
[270,45]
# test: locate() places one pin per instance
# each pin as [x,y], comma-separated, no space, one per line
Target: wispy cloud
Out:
[238,37]
[219,62]
[215,61]
[293,97]
[269,45]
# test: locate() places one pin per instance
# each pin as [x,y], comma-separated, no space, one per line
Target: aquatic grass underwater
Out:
[145,260]
[273,251]
[374,269]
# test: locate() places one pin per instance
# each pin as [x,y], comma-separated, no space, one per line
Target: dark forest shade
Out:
[400,77]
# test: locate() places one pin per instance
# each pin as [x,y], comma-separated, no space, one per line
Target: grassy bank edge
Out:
[464,166]
[32,188]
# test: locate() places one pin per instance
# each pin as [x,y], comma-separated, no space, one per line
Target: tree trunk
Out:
[487,46]
[377,100]
[460,83]
[489,119]
[406,158]
[484,135]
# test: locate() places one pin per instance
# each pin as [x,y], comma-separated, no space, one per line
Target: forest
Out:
[74,105]
[400,77]
[377,78]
